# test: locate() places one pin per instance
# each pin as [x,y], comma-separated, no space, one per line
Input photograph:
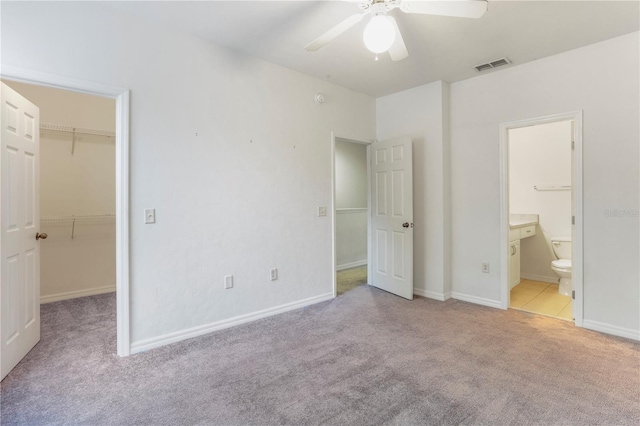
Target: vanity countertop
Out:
[521,220]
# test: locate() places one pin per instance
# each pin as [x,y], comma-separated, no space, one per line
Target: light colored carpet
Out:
[348,279]
[364,358]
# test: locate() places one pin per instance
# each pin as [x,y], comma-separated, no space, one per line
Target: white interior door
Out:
[20,219]
[392,216]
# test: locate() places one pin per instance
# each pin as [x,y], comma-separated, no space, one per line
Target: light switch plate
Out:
[228,281]
[322,211]
[150,216]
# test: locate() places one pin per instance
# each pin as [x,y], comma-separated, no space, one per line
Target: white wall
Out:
[351,175]
[541,156]
[232,152]
[600,79]
[351,204]
[351,238]
[78,184]
[423,114]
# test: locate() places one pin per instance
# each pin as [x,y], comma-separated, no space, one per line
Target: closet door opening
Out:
[351,177]
[78,215]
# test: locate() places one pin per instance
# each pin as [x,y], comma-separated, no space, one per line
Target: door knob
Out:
[407,224]
[40,236]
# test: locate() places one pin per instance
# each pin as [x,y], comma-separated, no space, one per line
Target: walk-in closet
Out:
[77,192]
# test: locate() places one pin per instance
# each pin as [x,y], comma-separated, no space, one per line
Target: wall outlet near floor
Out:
[228,281]
[485,267]
[273,274]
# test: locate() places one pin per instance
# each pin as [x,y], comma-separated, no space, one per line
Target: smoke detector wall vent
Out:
[493,64]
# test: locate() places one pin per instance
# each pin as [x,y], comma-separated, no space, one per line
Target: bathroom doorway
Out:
[542,216]
[351,213]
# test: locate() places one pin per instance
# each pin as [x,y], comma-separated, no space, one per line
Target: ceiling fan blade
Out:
[334,32]
[398,51]
[458,8]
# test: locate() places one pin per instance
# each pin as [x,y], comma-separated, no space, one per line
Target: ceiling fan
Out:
[382,33]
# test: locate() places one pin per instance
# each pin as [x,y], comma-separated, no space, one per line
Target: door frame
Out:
[577,206]
[362,141]
[121,97]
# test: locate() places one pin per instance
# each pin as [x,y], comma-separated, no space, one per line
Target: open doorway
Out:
[542,216]
[77,192]
[24,140]
[72,271]
[351,213]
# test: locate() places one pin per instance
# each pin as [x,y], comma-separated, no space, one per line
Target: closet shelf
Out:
[77,130]
[98,219]
[92,218]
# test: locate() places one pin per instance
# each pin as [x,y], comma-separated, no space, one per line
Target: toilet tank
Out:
[561,247]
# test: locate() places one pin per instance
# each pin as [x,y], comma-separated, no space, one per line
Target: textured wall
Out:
[600,79]
[351,175]
[232,152]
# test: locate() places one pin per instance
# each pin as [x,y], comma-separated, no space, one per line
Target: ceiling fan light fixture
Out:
[379,34]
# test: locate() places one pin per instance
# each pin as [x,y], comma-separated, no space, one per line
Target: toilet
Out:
[562,265]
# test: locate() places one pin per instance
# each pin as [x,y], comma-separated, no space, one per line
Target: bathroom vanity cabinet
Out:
[520,226]
[516,234]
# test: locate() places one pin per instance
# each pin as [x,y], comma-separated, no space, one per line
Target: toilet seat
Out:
[561,264]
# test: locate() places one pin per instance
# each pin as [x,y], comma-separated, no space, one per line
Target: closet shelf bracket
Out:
[73,148]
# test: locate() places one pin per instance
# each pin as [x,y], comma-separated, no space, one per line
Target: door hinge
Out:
[573,294]
[573,145]
[573,220]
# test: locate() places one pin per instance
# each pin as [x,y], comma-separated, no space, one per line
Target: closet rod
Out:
[77,130]
[79,218]
[90,218]
[552,187]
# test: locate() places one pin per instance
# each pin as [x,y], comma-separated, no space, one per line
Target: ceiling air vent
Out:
[493,64]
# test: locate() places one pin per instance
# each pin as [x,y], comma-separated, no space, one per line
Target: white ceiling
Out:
[440,48]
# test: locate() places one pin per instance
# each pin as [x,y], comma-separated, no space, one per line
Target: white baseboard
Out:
[176,336]
[77,293]
[432,294]
[351,265]
[477,300]
[541,278]
[611,329]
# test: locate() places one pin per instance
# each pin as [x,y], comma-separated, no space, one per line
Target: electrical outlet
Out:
[228,281]
[274,274]
[322,211]
[485,267]
[150,216]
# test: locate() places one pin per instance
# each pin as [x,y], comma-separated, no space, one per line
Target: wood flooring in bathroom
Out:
[541,298]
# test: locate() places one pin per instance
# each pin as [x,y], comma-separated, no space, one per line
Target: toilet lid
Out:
[562,263]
